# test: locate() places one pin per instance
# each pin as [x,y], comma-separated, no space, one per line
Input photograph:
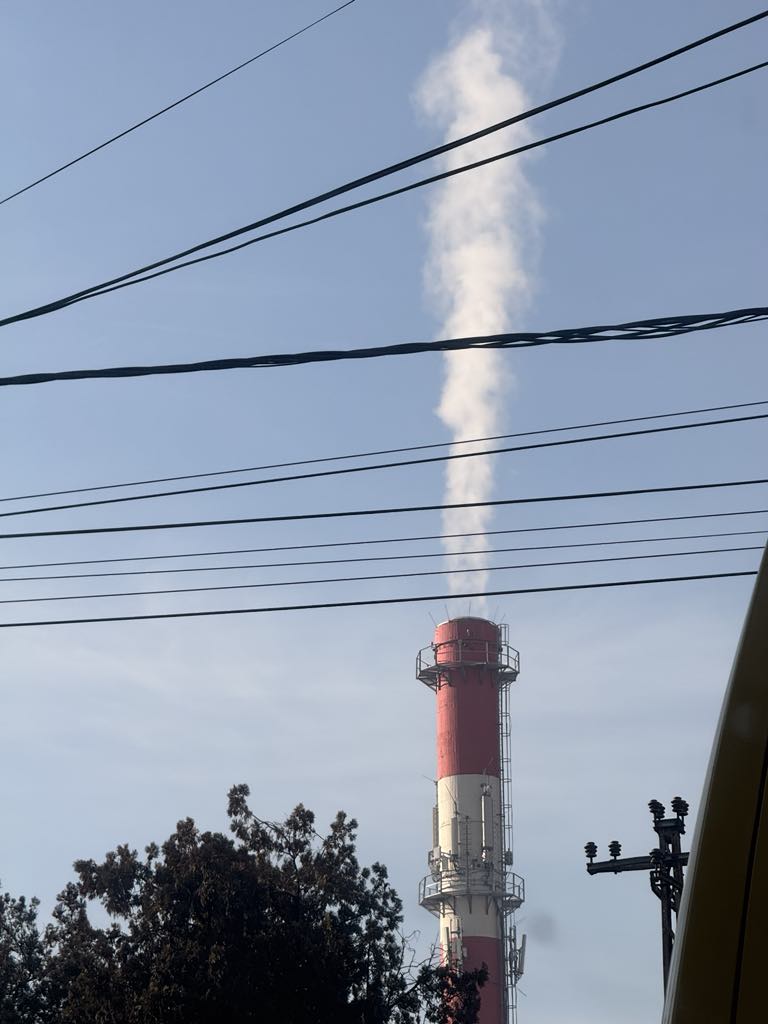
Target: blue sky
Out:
[112,733]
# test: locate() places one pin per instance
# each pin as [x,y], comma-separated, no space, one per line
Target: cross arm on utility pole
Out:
[618,864]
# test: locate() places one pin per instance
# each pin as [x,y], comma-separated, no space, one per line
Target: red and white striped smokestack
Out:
[471,888]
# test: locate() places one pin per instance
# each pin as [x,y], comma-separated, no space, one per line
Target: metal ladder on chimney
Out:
[513,886]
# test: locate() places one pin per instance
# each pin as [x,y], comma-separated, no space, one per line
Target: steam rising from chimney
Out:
[482,227]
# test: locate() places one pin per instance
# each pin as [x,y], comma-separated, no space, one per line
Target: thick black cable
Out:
[378,558]
[381,451]
[350,470]
[150,271]
[354,513]
[395,540]
[339,211]
[176,103]
[637,330]
[368,578]
[207,613]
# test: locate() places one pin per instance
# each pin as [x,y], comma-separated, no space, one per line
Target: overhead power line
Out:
[171,106]
[140,276]
[355,183]
[382,451]
[350,470]
[394,540]
[377,601]
[626,74]
[636,330]
[382,558]
[355,513]
[150,271]
[365,579]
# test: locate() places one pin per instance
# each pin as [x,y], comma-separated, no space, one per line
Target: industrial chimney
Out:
[471,887]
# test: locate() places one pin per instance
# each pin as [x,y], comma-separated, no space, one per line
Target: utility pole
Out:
[665,865]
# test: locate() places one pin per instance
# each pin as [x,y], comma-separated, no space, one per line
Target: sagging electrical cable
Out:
[150,270]
[139,277]
[388,540]
[398,510]
[171,106]
[381,451]
[352,470]
[380,558]
[215,612]
[365,579]
[637,330]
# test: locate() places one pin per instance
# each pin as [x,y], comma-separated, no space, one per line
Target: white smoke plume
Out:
[482,230]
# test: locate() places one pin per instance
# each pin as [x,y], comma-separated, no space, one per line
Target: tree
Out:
[21,961]
[276,924]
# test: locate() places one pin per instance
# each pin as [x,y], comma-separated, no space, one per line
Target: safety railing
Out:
[440,659]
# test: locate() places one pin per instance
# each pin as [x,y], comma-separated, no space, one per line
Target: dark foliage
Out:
[277,923]
[21,962]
